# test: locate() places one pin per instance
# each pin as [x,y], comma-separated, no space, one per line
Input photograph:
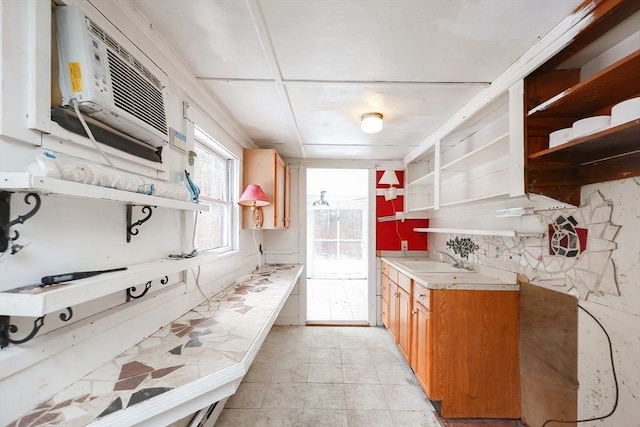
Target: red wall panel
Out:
[389,234]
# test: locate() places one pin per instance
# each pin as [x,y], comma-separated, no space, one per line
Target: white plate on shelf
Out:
[590,125]
[560,136]
[625,111]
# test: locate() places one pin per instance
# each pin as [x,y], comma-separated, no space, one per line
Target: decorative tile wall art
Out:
[462,247]
[565,239]
[579,265]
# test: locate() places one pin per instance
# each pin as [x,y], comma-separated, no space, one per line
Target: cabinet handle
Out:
[414,312]
[421,295]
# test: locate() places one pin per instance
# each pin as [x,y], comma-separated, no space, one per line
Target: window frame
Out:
[205,141]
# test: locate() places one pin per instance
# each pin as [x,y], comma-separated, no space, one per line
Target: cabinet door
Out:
[421,347]
[287,196]
[404,322]
[280,193]
[384,314]
[393,310]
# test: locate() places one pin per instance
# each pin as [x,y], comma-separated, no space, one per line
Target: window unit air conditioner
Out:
[108,83]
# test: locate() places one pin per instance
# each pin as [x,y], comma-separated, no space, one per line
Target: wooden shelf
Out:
[605,144]
[602,90]
[22,181]
[497,148]
[34,301]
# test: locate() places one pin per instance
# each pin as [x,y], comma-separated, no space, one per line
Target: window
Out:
[214,173]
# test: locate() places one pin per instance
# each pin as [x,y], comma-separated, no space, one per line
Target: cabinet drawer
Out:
[385,268]
[422,295]
[393,274]
[404,282]
[385,288]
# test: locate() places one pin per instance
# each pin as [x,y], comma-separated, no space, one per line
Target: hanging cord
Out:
[615,380]
[88,131]
[193,245]
[259,272]
[393,205]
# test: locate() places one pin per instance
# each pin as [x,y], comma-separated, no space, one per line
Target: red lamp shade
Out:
[253,196]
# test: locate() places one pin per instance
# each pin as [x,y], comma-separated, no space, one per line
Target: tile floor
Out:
[337,300]
[328,376]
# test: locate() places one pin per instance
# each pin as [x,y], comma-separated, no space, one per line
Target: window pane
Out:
[212,228]
[351,250]
[351,224]
[325,224]
[324,250]
[211,173]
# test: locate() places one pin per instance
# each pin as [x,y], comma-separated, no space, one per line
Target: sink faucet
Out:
[456,263]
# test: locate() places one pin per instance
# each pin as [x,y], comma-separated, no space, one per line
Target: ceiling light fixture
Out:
[371,122]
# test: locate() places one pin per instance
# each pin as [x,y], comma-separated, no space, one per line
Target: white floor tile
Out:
[349,376]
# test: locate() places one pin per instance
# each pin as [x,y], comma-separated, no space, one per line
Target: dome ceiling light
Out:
[371,122]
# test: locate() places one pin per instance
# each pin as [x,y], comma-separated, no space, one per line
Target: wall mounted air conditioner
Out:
[109,83]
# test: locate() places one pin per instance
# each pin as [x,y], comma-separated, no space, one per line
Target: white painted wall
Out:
[76,235]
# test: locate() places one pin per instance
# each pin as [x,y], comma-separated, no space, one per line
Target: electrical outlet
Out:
[404,245]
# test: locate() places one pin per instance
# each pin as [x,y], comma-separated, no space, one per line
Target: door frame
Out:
[372,282]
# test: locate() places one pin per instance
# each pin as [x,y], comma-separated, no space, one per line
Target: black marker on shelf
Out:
[67,277]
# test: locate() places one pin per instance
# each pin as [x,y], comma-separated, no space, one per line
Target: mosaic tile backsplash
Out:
[575,255]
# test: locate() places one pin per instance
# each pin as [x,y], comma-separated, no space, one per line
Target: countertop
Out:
[480,278]
[198,358]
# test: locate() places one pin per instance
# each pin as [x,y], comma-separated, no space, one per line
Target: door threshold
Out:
[337,323]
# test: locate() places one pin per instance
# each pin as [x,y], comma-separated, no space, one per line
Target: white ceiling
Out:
[298,74]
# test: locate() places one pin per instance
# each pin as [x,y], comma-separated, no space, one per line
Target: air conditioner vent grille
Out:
[136,95]
[122,52]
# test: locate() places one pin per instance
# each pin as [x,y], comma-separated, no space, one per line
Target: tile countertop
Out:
[196,360]
[482,278]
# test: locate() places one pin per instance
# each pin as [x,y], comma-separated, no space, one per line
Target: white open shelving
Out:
[22,181]
[477,232]
[493,150]
[34,301]
[479,160]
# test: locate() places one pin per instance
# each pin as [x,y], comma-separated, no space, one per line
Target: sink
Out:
[424,266]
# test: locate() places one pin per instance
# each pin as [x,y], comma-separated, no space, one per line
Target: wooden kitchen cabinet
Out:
[403,334]
[397,308]
[422,342]
[556,96]
[266,168]
[474,338]
[384,299]
[461,344]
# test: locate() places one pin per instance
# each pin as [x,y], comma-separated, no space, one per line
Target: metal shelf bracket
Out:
[5,224]
[132,229]
[6,328]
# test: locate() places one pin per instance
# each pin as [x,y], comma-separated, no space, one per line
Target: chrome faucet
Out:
[456,263]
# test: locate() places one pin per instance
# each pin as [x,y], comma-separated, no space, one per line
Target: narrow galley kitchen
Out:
[337,246]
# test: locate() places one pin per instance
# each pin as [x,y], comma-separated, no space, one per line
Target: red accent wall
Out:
[389,234]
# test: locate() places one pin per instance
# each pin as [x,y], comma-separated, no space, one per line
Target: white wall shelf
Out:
[476,199]
[497,148]
[34,301]
[424,180]
[476,232]
[25,182]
